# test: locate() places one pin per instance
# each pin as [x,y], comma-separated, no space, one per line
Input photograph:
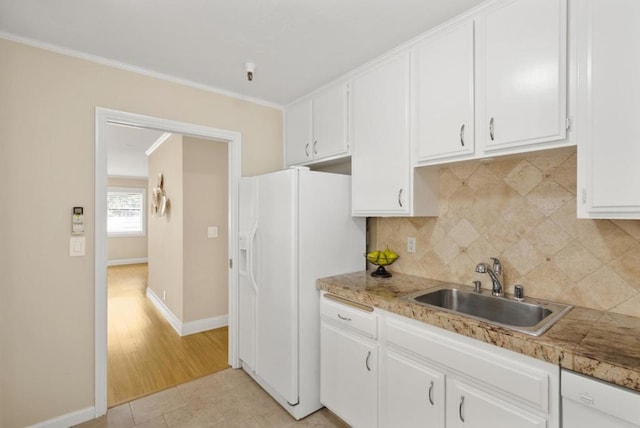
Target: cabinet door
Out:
[380,160]
[330,122]
[525,64]
[348,376]
[412,393]
[468,407]
[609,66]
[445,94]
[298,130]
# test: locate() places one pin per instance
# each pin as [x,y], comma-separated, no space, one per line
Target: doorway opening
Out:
[105,118]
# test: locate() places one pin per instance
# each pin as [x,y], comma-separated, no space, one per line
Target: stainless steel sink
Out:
[530,316]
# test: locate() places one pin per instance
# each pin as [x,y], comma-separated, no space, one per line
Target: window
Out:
[125,211]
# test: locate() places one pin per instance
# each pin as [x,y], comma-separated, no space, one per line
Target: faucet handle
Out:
[518,292]
[497,266]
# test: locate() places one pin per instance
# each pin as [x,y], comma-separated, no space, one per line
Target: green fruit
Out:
[382,259]
[372,256]
[390,256]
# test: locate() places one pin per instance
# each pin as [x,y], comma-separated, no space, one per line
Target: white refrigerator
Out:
[295,226]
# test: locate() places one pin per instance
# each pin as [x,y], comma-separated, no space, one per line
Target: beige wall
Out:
[165,232]
[522,210]
[205,201]
[47,141]
[128,247]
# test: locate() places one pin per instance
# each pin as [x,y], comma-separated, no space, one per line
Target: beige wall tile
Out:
[522,209]
[549,196]
[524,178]
[548,238]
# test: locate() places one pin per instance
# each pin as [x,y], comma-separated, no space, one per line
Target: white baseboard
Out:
[119,262]
[191,327]
[164,310]
[69,419]
[205,324]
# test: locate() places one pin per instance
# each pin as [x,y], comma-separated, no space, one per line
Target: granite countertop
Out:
[599,344]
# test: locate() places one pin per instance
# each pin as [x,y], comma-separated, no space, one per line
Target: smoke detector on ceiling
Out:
[251,68]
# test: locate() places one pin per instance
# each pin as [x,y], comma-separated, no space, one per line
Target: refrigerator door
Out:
[247,287]
[277,278]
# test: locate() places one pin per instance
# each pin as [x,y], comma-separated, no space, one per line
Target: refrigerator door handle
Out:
[250,256]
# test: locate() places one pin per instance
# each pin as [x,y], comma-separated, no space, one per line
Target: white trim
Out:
[135,69]
[187,328]
[120,262]
[68,419]
[129,177]
[164,310]
[164,137]
[205,324]
[234,139]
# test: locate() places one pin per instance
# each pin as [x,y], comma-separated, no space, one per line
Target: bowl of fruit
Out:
[381,259]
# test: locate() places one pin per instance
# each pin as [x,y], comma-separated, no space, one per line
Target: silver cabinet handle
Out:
[491,130]
[315,147]
[431,393]
[366,361]
[400,198]
[306,149]
[462,135]
[460,408]
[344,318]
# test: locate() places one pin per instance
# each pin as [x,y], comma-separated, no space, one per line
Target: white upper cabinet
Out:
[608,129]
[444,92]
[298,133]
[522,74]
[317,128]
[382,177]
[331,122]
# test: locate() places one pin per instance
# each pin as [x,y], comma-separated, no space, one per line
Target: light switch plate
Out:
[212,232]
[77,246]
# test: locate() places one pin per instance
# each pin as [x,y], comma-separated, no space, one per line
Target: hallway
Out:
[145,354]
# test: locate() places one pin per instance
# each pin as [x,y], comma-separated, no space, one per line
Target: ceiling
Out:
[297,45]
[126,147]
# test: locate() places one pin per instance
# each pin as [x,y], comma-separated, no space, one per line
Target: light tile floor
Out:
[229,398]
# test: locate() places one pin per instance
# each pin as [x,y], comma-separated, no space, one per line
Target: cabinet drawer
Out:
[476,360]
[601,396]
[350,314]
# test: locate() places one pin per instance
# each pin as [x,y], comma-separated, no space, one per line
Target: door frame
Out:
[104,117]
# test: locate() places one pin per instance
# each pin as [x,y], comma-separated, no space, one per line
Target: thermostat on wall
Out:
[77,221]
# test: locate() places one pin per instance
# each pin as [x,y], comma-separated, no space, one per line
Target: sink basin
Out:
[530,316]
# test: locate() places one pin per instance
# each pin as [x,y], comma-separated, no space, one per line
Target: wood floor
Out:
[145,354]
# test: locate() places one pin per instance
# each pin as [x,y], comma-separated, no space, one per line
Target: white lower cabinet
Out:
[413,393]
[427,376]
[469,407]
[349,364]
[591,403]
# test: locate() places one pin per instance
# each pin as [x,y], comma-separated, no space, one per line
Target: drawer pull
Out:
[586,398]
[460,408]
[366,361]
[344,318]
[400,198]
[431,393]
[462,135]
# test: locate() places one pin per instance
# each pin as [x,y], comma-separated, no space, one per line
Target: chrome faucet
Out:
[496,275]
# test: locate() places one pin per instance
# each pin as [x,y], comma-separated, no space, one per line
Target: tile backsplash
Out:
[523,211]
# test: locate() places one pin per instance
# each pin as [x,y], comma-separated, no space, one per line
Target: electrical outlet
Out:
[164,295]
[411,244]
